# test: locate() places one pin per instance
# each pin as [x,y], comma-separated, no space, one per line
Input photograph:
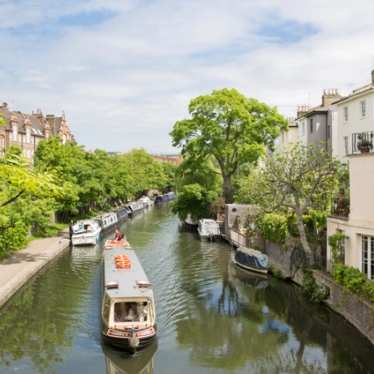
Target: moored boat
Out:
[146,201]
[165,197]
[135,207]
[251,259]
[123,213]
[85,232]
[108,221]
[128,308]
[208,229]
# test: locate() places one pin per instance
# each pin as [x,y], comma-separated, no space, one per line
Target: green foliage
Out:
[354,280]
[314,292]
[273,227]
[299,182]
[336,243]
[198,185]
[195,200]
[232,129]
[95,181]
[26,200]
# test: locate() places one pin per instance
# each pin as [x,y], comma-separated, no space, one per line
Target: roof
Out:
[311,111]
[126,278]
[369,88]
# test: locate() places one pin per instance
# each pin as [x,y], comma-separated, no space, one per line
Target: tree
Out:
[198,185]
[229,127]
[299,180]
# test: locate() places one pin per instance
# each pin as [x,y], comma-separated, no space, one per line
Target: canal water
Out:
[212,318]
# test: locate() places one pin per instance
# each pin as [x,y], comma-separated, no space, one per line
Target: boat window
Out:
[131,312]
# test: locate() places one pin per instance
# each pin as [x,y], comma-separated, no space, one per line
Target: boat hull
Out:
[88,240]
[124,343]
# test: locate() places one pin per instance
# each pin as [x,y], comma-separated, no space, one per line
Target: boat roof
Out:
[250,251]
[126,278]
[87,221]
[208,221]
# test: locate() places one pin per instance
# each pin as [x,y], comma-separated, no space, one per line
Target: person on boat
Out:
[142,309]
[118,236]
[130,313]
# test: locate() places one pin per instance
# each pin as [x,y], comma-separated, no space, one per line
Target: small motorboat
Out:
[128,308]
[251,259]
[208,229]
[85,232]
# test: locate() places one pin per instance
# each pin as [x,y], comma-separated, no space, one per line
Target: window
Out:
[367,256]
[311,125]
[302,129]
[345,113]
[363,108]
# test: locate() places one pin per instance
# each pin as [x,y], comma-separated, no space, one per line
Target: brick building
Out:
[27,130]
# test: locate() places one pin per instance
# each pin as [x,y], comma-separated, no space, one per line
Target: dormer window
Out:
[363,108]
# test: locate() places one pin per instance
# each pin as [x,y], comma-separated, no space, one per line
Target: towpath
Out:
[16,270]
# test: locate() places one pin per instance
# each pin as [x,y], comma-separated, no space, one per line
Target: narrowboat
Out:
[123,214]
[251,259]
[85,232]
[128,308]
[146,201]
[108,221]
[208,229]
[135,207]
[165,198]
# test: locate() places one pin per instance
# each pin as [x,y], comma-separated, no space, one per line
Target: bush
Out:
[273,227]
[312,290]
[354,280]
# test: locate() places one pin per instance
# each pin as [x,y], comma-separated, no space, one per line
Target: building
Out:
[315,124]
[27,130]
[289,136]
[173,159]
[356,219]
[355,121]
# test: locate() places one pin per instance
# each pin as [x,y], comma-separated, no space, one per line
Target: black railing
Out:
[362,142]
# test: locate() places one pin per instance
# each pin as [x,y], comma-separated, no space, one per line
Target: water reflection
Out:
[118,362]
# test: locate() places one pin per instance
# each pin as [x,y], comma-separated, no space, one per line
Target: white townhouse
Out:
[354,122]
[315,124]
[287,137]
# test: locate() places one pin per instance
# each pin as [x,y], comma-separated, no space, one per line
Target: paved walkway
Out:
[16,270]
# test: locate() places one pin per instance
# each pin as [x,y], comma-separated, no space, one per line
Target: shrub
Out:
[273,227]
[355,281]
[312,290]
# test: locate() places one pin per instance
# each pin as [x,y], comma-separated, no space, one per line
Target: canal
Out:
[212,318]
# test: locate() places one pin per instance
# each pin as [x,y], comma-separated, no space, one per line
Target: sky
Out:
[124,71]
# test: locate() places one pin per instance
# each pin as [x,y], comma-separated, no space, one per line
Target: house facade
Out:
[355,121]
[289,136]
[315,124]
[357,223]
[27,130]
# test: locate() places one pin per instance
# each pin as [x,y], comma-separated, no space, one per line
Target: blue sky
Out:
[124,71]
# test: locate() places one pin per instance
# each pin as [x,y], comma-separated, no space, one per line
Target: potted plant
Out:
[364,145]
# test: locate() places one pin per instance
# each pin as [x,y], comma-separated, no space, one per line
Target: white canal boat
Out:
[85,232]
[251,259]
[128,308]
[208,229]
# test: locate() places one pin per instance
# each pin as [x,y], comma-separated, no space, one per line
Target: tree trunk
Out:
[302,233]
[228,190]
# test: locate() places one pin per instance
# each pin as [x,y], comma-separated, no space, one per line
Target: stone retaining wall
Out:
[357,311]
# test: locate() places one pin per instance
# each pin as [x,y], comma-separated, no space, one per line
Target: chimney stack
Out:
[301,110]
[329,96]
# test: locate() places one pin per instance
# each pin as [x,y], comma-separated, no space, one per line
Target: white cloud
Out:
[126,80]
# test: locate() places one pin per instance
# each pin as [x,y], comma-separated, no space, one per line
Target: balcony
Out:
[361,142]
[340,207]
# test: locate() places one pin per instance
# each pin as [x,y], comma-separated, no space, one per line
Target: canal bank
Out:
[17,269]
